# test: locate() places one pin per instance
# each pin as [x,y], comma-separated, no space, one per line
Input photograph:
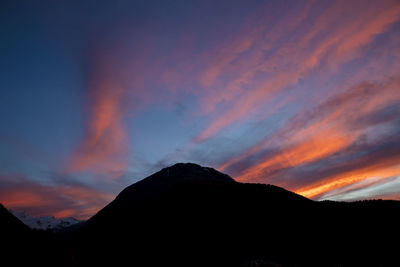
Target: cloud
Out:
[347,138]
[376,160]
[319,81]
[20,193]
[276,58]
[105,146]
[273,60]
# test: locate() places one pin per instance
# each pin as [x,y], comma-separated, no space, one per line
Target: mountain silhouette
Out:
[188,189]
[10,225]
[179,174]
[189,215]
[23,246]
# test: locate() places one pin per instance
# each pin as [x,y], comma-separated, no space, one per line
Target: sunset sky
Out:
[96,95]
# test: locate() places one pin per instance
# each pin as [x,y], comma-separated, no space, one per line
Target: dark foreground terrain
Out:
[188,215]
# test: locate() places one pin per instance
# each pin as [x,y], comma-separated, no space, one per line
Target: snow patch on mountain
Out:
[45,222]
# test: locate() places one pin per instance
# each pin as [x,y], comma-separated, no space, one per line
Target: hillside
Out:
[189,215]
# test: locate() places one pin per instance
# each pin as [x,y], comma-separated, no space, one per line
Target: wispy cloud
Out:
[323,133]
[61,200]
[270,62]
[105,145]
[260,65]
[302,94]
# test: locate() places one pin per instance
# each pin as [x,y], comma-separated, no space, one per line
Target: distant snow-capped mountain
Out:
[45,222]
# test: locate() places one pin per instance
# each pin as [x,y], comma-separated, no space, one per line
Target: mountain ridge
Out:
[45,222]
[182,176]
[189,215]
[9,223]
[177,174]
[222,222]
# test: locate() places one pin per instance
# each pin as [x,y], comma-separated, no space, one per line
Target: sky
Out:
[97,95]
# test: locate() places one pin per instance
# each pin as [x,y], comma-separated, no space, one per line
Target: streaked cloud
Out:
[326,137]
[61,200]
[274,59]
[301,94]
[105,144]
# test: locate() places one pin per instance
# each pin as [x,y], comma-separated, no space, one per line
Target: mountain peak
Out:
[44,222]
[170,177]
[191,172]
[9,224]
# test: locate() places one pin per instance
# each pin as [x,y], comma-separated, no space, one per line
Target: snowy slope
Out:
[44,222]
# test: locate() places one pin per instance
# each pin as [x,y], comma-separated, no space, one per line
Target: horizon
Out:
[85,219]
[95,96]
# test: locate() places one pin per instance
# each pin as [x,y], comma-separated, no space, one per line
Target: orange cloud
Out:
[331,127]
[318,146]
[74,200]
[336,35]
[383,170]
[377,24]
[23,198]
[223,57]
[64,213]
[105,145]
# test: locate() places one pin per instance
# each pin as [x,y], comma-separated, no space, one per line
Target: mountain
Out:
[22,246]
[188,215]
[10,225]
[187,183]
[45,222]
[187,176]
